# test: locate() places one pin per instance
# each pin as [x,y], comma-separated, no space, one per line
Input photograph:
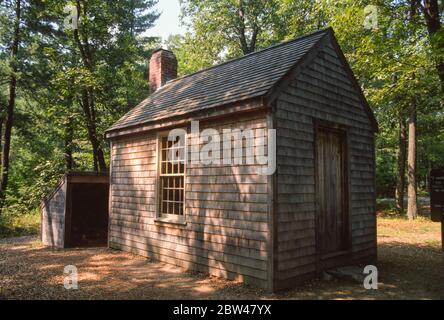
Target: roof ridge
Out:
[248,55]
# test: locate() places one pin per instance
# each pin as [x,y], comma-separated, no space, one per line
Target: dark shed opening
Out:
[76,213]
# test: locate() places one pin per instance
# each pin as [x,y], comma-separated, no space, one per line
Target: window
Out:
[171,177]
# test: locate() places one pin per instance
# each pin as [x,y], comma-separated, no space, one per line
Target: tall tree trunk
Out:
[412,207]
[87,102]
[10,106]
[400,184]
[69,134]
[243,34]
[98,156]
[2,121]
[434,27]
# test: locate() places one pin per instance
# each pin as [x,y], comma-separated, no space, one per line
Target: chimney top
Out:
[163,68]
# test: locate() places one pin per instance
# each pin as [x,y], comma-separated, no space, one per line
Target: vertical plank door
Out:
[331,188]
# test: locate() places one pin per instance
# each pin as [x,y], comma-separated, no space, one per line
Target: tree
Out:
[412,207]
[190,57]
[400,183]
[227,28]
[9,114]
[432,16]
[107,37]
[53,130]
[87,99]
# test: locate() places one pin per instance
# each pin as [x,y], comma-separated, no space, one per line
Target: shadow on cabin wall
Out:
[225,233]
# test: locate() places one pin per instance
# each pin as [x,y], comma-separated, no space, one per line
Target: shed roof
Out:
[251,76]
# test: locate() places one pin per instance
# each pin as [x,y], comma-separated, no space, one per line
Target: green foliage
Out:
[49,118]
[15,225]
[220,30]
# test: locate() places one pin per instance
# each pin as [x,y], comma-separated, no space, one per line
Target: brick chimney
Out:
[163,68]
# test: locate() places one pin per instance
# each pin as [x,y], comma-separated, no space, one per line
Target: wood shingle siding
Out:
[322,91]
[53,209]
[226,211]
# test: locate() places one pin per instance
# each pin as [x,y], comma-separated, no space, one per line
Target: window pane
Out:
[176,208]
[164,194]
[170,168]
[177,195]
[172,177]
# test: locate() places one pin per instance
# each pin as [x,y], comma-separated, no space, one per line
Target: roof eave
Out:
[220,111]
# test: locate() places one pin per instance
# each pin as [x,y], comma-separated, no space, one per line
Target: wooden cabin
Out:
[75,214]
[314,212]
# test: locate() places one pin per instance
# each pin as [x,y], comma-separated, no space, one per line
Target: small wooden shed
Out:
[316,211]
[75,214]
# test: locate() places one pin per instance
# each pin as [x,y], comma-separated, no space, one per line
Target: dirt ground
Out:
[410,266]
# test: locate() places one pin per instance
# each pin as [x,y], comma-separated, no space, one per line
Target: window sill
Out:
[176,221]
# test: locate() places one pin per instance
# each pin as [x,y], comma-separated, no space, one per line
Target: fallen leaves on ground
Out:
[410,267]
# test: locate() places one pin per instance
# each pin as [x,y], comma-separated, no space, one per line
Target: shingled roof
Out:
[244,78]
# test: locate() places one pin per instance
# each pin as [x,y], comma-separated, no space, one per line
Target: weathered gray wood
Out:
[53,217]
[226,210]
[322,91]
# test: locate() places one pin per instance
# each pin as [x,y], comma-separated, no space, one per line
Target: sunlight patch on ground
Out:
[410,265]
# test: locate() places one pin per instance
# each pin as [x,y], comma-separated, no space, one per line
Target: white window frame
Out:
[162,217]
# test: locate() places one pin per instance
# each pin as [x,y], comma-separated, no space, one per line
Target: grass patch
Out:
[17,225]
[421,231]
[386,208]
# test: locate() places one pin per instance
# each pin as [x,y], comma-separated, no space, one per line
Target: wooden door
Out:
[332,206]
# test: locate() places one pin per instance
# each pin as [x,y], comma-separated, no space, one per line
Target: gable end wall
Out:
[322,91]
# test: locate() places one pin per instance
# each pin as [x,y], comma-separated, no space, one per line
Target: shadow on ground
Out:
[30,271]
